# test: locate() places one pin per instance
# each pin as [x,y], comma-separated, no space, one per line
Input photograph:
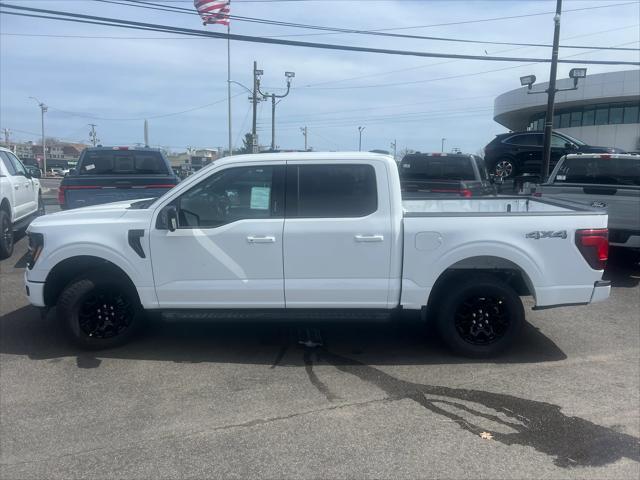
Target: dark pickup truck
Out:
[113,174]
[444,174]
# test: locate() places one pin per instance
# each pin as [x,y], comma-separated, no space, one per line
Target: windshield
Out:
[423,167]
[607,171]
[122,162]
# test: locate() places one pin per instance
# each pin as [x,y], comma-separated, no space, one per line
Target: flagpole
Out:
[229,82]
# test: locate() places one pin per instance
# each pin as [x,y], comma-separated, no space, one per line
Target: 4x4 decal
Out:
[547,234]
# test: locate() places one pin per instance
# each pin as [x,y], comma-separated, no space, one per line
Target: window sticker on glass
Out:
[91,166]
[406,165]
[260,198]
[561,177]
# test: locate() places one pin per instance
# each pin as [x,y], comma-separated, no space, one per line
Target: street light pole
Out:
[43,109]
[360,130]
[304,132]
[289,76]
[442,145]
[551,91]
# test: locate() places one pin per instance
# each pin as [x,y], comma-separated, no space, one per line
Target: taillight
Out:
[465,192]
[594,246]
[61,199]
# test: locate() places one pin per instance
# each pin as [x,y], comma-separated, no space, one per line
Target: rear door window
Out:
[597,170]
[529,139]
[122,162]
[423,167]
[331,191]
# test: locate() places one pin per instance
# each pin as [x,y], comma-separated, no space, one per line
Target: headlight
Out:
[36,243]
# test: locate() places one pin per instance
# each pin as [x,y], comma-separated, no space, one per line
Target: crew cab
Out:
[606,181]
[442,174]
[111,174]
[20,199]
[315,236]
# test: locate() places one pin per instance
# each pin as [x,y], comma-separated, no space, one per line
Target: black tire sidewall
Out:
[72,298]
[5,250]
[479,286]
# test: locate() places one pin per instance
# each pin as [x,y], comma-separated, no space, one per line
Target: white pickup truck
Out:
[314,236]
[20,199]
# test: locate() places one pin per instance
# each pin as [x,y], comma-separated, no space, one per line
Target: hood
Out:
[597,149]
[91,214]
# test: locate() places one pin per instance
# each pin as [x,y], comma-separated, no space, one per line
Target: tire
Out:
[99,311]
[471,301]
[41,209]
[6,235]
[505,167]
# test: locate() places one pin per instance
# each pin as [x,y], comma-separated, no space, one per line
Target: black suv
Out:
[515,153]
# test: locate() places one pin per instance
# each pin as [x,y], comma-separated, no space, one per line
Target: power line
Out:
[165,8]
[105,21]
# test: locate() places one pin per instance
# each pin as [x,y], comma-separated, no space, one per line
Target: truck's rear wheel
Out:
[99,311]
[6,235]
[480,316]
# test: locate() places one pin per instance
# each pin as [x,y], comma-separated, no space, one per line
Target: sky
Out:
[180,83]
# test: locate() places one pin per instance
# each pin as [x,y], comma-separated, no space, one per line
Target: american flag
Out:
[213,11]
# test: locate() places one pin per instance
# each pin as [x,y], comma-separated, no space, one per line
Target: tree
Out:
[247,141]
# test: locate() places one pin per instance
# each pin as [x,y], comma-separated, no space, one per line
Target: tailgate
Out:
[622,203]
[83,190]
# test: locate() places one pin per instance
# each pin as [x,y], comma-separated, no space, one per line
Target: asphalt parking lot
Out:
[374,401]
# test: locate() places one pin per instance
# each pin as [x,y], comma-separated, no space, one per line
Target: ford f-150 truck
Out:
[20,199]
[316,236]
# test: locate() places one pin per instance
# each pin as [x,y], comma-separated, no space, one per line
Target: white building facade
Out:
[604,110]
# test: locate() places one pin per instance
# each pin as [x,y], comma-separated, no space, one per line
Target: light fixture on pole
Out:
[289,76]
[360,130]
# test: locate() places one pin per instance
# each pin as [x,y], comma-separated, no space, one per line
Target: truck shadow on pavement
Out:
[507,419]
[569,441]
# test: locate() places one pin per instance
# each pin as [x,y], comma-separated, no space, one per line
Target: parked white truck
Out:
[20,199]
[316,236]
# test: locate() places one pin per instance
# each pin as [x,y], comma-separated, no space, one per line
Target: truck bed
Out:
[491,206]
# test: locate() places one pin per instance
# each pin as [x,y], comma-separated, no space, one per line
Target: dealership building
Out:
[604,110]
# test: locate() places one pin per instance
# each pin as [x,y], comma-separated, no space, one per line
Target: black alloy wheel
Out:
[481,320]
[105,314]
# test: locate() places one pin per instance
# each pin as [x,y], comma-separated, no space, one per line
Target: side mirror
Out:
[72,171]
[570,146]
[168,219]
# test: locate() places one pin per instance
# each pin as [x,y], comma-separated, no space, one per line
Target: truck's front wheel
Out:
[99,311]
[6,235]
[480,316]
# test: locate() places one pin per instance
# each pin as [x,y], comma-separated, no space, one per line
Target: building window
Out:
[588,117]
[615,115]
[576,119]
[631,114]
[602,116]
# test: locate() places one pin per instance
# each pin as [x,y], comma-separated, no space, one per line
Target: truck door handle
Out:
[266,239]
[369,238]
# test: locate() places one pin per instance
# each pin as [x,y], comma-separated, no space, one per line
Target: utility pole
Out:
[93,136]
[394,145]
[254,99]
[7,133]
[43,110]
[304,132]
[360,130]
[289,76]
[551,97]
[146,133]
[442,145]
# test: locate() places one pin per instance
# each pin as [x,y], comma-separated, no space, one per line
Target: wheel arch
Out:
[507,270]
[72,267]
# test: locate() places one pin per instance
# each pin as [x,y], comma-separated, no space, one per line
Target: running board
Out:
[275,315]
